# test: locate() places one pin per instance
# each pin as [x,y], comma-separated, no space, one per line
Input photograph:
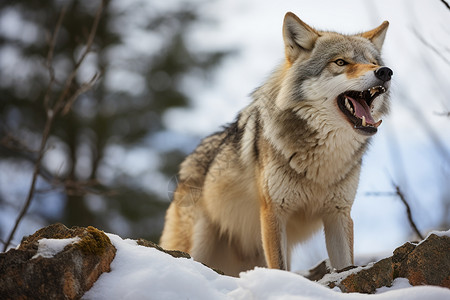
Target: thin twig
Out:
[37,165]
[8,141]
[431,47]
[380,194]
[443,114]
[3,242]
[82,89]
[408,210]
[60,103]
[49,60]
[79,187]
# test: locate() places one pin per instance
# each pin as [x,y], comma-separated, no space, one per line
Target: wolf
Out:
[289,164]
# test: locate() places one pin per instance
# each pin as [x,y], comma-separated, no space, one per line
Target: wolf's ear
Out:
[377,35]
[298,36]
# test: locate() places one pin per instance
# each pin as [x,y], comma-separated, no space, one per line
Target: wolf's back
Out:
[195,167]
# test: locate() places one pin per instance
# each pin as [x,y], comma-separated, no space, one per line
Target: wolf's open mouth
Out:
[357,107]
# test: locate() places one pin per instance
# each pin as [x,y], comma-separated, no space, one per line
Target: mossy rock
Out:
[93,242]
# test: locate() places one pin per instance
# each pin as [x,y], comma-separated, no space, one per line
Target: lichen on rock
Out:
[93,242]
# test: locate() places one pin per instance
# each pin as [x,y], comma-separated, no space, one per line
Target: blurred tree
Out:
[142,54]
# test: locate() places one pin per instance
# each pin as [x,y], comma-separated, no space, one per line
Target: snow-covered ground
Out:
[139,272]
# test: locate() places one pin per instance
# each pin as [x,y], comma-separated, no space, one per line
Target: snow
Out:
[48,248]
[435,232]
[399,283]
[337,277]
[139,272]
[439,233]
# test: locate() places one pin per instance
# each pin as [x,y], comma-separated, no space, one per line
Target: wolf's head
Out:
[335,79]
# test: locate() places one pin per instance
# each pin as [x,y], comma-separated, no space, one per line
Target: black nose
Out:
[384,73]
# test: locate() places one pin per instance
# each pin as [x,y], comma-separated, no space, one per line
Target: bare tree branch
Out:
[64,101]
[82,89]
[71,187]
[443,114]
[49,60]
[402,197]
[408,210]
[4,243]
[24,210]
[446,4]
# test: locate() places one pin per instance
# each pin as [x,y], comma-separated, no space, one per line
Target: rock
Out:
[368,280]
[174,253]
[318,271]
[67,265]
[67,274]
[426,263]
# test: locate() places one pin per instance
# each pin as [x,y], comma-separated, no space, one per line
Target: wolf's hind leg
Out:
[216,250]
[203,240]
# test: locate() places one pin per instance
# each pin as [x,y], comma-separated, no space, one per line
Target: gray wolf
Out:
[290,163]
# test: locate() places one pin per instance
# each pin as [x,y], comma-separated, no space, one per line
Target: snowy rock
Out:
[61,263]
[50,247]
[427,263]
[55,263]
[368,280]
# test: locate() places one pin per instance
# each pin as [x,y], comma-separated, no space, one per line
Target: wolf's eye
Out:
[340,62]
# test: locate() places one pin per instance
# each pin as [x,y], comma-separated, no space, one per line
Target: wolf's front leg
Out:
[339,238]
[273,231]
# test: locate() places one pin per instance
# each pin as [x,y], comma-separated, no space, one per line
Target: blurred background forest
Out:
[149,86]
[85,177]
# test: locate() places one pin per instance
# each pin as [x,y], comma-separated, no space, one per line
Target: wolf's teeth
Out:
[376,89]
[347,105]
[363,121]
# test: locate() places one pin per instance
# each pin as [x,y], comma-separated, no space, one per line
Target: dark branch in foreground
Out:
[400,194]
[408,210]
[443,114]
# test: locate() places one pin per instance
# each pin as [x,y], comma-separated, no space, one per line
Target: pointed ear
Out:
[298,36]
[377,35]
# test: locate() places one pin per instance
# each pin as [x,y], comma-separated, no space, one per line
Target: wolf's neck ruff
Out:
[290,163]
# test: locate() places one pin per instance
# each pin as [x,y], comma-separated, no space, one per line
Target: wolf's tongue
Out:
[362,109]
